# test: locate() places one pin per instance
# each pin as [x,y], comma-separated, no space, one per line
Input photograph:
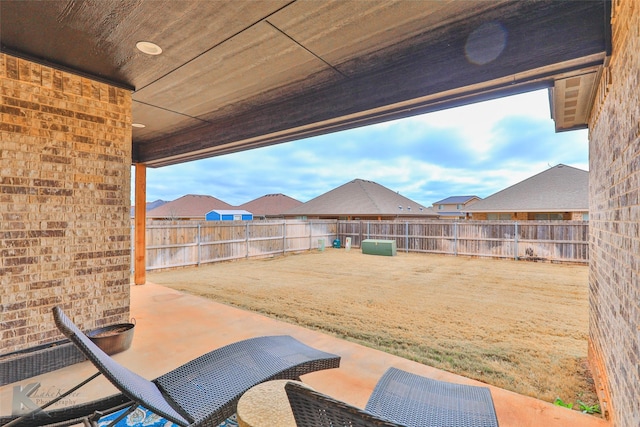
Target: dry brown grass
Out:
[521,326]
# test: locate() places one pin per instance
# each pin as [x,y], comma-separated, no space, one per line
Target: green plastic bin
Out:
[379,247]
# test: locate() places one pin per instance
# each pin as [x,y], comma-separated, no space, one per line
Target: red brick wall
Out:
[65,163]
[614,187]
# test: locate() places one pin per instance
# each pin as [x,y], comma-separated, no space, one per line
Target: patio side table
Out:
[266,405]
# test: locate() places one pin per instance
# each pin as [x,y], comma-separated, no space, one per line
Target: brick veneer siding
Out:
[479,216]
[614,174]
[65,166]
[530,216]
[577,216]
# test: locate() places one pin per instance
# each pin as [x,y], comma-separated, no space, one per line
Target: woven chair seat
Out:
[399,399]
[414,400]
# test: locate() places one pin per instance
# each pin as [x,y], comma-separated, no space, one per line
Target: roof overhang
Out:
[571,98]
[236,75]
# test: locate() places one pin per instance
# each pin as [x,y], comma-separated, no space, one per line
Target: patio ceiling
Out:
[235,75]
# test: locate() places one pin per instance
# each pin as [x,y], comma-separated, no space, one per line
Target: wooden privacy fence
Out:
[184,243]
[559,241]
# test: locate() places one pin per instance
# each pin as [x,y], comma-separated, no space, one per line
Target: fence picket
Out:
[183,243]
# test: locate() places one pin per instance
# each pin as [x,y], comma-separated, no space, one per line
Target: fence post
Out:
[284,236]
[455,239]
[515,240]
[246,238]
[199,245]
[368,230]
[406,237]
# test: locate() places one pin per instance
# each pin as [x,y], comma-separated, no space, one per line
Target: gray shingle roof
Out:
[558,189]
[189,206]
[454,200]
[361,197]
[270,205]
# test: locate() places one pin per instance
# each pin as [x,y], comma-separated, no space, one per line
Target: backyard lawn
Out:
[522,326]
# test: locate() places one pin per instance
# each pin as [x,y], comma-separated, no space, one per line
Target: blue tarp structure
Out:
[228,215]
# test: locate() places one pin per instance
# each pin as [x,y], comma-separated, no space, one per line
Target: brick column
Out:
[614,205]
[65,166]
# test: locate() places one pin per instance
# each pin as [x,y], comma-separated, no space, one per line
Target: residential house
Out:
[270,206]
[454,207]
[189,207]
[361,199]
[558,193]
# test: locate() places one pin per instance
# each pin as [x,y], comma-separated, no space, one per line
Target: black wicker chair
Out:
[399,398]
[206,390]
[313,409]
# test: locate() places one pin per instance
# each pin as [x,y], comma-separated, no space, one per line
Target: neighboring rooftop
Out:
[361,198]
[558,189]
[270,205]
[191,206]
[155,204]
[454,207]
[455,200]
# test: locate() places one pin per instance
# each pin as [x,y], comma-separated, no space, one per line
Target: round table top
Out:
[266,405]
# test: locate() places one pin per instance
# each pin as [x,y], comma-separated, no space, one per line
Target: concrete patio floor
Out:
[173,328]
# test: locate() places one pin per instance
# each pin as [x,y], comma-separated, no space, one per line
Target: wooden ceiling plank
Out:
[149,116]
[560,34]
[98,38]
[257,61]
[366,28]
[264,72]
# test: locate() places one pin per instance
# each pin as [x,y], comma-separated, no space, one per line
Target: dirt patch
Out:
[522,326]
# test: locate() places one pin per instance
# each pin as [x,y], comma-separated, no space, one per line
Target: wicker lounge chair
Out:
[203,392]
[399,399]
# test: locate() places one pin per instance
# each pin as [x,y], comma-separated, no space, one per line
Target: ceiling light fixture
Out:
[149,48]
[138,125]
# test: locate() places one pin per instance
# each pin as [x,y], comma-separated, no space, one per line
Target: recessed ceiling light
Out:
[138,125]
[149,48]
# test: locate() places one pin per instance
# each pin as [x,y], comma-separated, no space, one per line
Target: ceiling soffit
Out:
[236,75]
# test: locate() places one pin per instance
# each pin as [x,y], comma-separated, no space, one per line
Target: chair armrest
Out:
[313,409]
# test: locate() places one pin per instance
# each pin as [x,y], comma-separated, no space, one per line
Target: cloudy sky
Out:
[477,150]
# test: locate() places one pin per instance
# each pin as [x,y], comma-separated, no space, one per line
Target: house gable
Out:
[560,190]
[191,206]
[361,199]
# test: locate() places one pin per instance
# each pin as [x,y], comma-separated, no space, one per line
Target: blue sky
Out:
[477,149]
